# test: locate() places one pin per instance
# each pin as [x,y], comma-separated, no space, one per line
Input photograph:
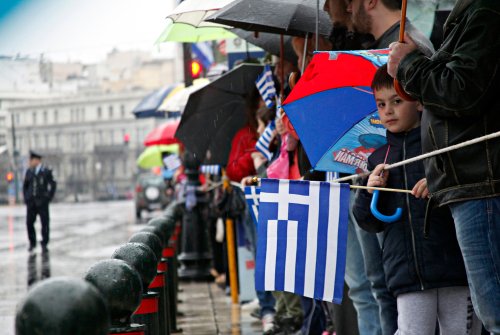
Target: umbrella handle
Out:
[397,86]
[384,218]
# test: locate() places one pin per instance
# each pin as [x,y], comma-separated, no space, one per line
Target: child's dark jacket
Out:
[411,262]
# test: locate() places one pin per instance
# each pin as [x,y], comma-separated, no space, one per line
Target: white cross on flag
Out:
[302,237]
[252,197]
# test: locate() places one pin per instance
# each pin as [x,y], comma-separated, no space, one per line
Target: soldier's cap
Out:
[34,154]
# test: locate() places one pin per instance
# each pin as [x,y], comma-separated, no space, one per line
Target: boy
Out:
[426,274]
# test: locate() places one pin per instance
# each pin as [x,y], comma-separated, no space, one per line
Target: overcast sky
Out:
[81,29]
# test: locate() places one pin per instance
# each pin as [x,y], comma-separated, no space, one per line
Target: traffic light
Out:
[126,138]
[196,69]
[9,176]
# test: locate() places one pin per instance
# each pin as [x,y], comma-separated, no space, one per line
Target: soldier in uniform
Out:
[39,188]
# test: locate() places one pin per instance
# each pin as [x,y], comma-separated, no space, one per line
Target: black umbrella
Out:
[288,17]
[268,42]
[215,113]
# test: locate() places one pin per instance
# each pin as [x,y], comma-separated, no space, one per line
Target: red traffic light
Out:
[196,69]
[9,176]
[126,138]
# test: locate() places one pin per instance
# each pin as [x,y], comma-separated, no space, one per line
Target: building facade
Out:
[90,141]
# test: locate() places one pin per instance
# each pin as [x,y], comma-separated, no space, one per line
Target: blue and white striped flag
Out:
[210,169]
[252,196]
[265,85]
[265,139]
[302,237]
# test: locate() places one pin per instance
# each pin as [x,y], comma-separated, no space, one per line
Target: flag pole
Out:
[231,250]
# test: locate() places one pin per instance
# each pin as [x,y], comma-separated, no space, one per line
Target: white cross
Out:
[255,200]
[283,198]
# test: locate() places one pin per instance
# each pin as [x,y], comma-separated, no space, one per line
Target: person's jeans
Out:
[314,318]
[359,286]
[266,303]
[477,223]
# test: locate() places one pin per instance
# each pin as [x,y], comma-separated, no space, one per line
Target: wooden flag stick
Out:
[380,189]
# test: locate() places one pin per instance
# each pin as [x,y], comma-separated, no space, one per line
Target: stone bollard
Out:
[121,287]
[62,306]
[143,260]
[158,283]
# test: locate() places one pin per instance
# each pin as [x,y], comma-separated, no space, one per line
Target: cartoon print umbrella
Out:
[333,110]
[163,134]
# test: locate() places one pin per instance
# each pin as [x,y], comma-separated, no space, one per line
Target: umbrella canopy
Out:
[269,43]
[182,32]
[215,113]
[177,102]
[148,107]
[153,156]
[163,134]
[329,112]
[194,12]
[288,17]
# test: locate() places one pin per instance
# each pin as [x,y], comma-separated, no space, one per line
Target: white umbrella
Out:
[194,12]
[178,101]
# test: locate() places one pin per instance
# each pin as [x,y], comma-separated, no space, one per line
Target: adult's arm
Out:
[455,83]
[52,183]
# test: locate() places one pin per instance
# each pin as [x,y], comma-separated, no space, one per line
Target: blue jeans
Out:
[314,318]
[477,223]
[266,303]
[360,290]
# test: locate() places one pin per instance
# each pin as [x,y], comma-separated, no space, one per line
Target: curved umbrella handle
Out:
[384,218]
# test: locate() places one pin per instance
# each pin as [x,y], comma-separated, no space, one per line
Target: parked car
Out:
[150,193]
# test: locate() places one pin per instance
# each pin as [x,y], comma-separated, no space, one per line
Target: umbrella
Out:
[153,156]
[163,134]
[194,12]
[177,102]
[215,113]
[269,43]
[288,17]
[148,107]
[182,32]
[333,110]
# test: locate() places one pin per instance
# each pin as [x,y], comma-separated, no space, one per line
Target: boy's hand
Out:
[378,177]
[420,189]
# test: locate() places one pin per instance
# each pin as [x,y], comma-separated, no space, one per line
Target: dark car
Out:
[150,193]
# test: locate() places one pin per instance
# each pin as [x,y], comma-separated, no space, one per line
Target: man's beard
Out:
[361,20]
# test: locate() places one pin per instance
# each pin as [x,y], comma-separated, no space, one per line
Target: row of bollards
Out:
[133,293]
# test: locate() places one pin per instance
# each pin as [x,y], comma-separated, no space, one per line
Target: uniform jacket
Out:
[39,189]
[459,87]
[411,261]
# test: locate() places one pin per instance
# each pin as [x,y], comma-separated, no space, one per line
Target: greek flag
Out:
[302,237]
[265,139]
[265,84]
[252,196]
[210,169]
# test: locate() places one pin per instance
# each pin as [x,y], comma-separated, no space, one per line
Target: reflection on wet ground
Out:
[81,235]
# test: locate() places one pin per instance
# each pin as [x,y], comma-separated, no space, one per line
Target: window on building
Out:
[34,117]
[56,116]
[18,119]
[82,116]
[99,112]
[112,137]
[46,141]
[110,112]
[122,111]
[45,117]
[35,140]
[100,138]
[124,165]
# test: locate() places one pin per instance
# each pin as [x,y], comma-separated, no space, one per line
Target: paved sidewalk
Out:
[208,311]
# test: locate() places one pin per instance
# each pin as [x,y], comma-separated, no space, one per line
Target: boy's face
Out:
[396,114]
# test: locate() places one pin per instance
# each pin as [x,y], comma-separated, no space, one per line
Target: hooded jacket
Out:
[411,261]
[459,88]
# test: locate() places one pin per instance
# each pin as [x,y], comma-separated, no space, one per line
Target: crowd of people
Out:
[437,268]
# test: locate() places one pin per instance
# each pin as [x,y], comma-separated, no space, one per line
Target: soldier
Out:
[39,188]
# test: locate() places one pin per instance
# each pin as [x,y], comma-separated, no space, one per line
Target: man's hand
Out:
[420,189]
[397,52]
[378,177]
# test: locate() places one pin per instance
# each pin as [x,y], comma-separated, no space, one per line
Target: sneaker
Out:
[45,249]
[268,324]
[31,248]
[250,306]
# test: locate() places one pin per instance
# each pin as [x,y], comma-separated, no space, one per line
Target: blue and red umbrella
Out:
[333,110]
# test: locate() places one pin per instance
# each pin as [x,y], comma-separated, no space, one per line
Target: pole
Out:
[186,54]
[15,155]
[231,251]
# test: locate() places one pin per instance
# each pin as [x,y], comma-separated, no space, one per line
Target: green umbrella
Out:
[181,32]
[152,156]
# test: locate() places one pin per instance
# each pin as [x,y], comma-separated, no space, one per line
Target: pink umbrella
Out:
[163,134]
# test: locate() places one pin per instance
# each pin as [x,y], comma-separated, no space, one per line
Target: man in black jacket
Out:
[38,189]
[459,87]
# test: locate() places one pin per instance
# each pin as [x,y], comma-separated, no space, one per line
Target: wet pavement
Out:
[82,234]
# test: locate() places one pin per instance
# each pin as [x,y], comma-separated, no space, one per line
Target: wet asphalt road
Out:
[82,234]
